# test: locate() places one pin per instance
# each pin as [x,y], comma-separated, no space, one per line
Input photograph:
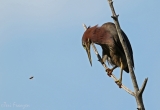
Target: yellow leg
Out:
[119,82]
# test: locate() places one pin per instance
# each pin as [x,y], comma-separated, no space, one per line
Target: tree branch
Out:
[143,86]
[105,66]
[138,94]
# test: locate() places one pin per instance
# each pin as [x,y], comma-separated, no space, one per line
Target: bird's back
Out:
[110,27]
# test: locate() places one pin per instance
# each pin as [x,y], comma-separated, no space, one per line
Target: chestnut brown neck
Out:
[95,34]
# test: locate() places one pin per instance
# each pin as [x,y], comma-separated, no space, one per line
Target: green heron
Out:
[107,37]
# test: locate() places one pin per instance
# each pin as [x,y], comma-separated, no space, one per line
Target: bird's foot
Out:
[109,72]
[119,83]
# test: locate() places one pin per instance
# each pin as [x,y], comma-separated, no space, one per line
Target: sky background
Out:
[42,38]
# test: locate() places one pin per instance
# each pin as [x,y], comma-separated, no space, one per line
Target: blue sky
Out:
[42,38]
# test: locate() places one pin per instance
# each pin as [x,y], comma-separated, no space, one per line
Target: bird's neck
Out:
[97,34]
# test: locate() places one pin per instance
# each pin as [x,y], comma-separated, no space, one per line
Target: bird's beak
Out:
[88,53]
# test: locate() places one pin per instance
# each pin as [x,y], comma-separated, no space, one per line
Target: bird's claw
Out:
[109,72]
[119,83]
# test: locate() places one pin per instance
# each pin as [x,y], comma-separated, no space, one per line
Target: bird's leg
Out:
[119,82]
[109,71]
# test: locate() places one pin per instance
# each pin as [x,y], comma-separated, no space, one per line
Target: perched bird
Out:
[107,37]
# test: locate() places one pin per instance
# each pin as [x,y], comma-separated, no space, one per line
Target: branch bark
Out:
[138,93]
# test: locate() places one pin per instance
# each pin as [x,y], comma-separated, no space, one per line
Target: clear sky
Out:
[42,38]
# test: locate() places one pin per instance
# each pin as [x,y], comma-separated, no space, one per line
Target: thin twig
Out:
[143,86]
[105,66]
[98,56]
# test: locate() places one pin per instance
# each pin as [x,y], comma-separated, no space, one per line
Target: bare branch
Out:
[105,66]
[138,97]
[98,56]
[143,86]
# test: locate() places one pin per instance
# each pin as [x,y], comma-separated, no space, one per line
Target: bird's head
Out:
[86,42]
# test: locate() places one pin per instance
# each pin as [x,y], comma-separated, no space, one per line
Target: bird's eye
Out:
[83,44]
